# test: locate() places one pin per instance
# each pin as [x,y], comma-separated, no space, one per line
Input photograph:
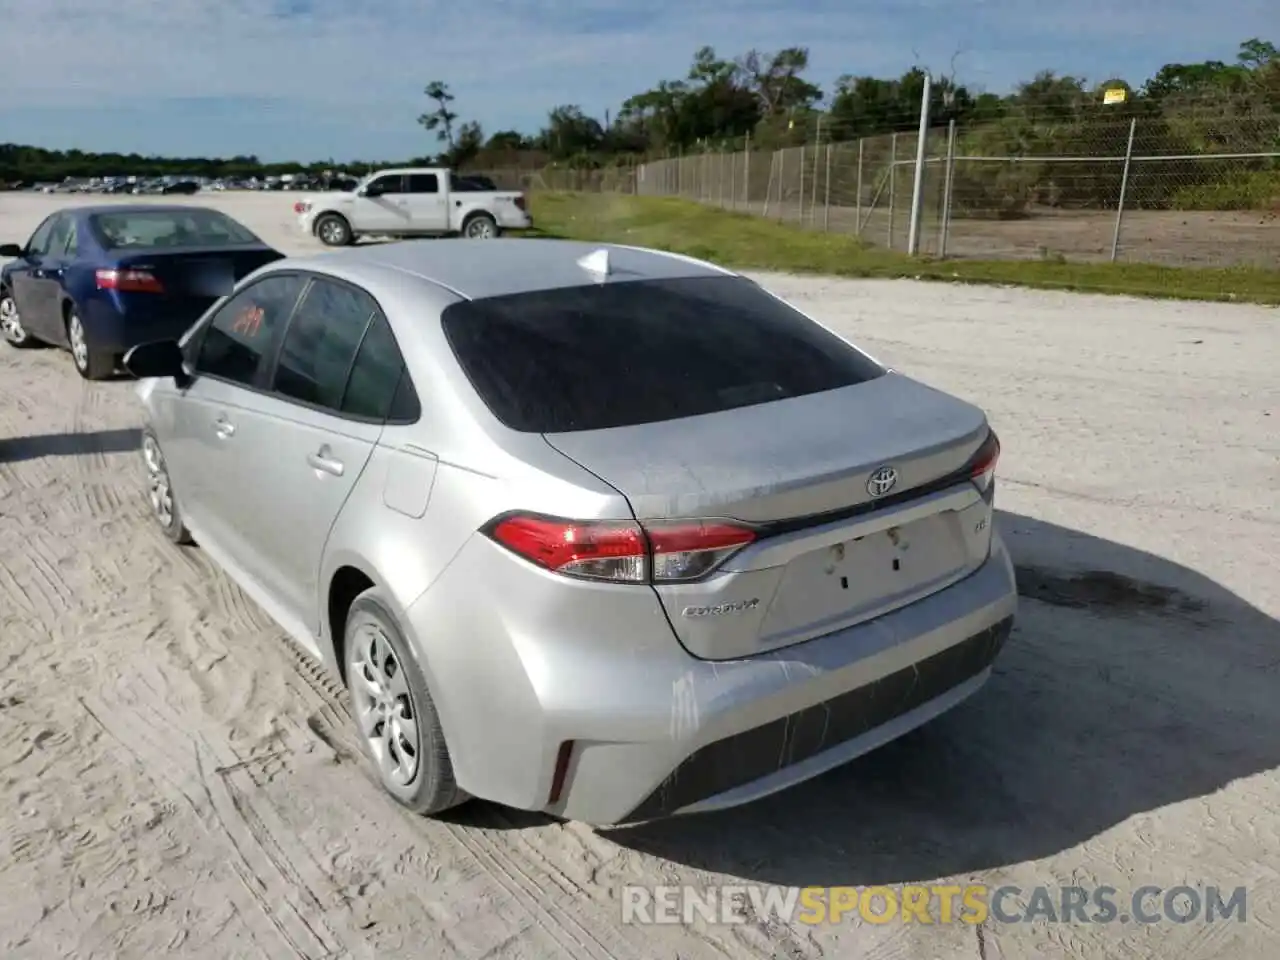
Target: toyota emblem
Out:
[882,481]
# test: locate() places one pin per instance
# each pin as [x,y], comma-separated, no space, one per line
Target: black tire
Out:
[90,362]
[334,231]
[156,470]
[480,226]
[431,789]
[19,340]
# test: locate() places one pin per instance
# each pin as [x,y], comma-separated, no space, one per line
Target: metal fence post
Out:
[893,182]
[1124,186]
[733,181]
[858,195]
[768,189]
[813,202]
[946,190]
[781,156]
[800,213]
[826,193]
[917,181]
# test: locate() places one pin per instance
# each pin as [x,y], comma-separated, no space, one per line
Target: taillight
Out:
[665,551]
[982,467]
[519,202]
[301,206]
[129,281]
[689,549]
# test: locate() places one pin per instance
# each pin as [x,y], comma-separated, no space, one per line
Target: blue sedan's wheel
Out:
[90,363]
[11,323]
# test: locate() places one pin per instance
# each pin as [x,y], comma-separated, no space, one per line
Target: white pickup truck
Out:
[417,202]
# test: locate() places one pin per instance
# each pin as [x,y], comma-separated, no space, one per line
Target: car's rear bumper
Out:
[515,221]
[113,331]
[654,731]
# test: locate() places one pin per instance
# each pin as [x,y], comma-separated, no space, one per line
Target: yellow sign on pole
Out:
[1115,95]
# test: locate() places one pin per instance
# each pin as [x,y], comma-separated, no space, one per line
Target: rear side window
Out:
[239,338]
[622,354]
[379,386]
[321,343]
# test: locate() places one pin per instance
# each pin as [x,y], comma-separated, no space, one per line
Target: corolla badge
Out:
[882,481]
[720,609]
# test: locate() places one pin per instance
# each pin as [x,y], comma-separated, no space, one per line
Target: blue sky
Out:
[311,79]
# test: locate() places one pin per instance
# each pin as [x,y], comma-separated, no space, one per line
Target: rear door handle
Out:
[323,460]
[224,428]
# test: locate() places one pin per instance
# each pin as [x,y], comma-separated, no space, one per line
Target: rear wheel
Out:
[395,717]
[480,226]
[334,231]
[91,363]
[11,323]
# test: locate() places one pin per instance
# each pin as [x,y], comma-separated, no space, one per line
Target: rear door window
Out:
[321,343]
[237,343]
[57,244]
[623,354]
[423,183]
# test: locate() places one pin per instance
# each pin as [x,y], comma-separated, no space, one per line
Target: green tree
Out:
[440,120]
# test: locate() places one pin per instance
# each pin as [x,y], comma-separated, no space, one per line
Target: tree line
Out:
[764,100]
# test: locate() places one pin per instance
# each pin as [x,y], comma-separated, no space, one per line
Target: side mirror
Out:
[159,358]
[10,250]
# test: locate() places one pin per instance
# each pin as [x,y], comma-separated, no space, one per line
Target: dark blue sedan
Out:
[99,280]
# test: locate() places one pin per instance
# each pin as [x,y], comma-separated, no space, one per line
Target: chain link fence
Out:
[1125,188]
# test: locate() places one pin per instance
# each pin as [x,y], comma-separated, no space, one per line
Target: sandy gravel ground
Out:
[177,781]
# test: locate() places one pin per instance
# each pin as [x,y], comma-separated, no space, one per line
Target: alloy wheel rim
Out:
[384,706]
[10,321]
[331,232]
[481,230]
[79,348]
[159,491]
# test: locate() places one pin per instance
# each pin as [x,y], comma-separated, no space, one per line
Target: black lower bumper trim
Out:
[745,757]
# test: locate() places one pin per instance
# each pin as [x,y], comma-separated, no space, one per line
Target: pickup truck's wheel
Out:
[333,230]
[480,226]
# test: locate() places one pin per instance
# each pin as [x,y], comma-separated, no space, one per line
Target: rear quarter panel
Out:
[501,205]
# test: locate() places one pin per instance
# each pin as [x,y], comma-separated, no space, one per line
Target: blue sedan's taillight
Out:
[129,281]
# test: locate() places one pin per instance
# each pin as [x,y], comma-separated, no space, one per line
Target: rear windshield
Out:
[151,229]
[622,354]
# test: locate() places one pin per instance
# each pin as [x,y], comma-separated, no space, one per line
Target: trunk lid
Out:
[830,554]
[193,278]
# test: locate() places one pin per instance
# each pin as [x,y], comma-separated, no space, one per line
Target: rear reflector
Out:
[129,281]
[666,551]
[983,465]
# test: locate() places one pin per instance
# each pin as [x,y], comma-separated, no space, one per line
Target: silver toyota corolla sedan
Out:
[595,530]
